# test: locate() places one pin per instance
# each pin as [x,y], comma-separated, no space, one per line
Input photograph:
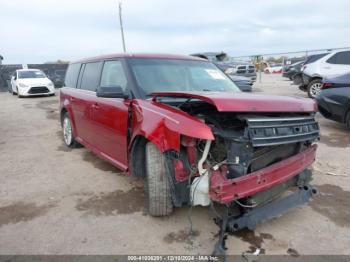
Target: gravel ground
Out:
[54,200]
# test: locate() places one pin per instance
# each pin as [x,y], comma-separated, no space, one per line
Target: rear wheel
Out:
[157,186]
[314,88]
[68,131]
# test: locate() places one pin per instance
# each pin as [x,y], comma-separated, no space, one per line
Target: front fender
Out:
[163,125]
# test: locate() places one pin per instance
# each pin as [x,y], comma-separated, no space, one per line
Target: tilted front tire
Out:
[157,185]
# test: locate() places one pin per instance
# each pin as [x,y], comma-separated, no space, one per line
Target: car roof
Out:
[138,55]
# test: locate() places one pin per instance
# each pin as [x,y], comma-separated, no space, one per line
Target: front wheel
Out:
[314,88]
[157,185]
[18,94]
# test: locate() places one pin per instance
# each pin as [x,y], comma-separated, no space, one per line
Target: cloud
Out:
[34,31]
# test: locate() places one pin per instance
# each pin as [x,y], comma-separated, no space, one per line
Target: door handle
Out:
[95,106]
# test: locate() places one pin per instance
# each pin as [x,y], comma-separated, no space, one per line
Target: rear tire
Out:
[157,185]
[68,132]
[314,88]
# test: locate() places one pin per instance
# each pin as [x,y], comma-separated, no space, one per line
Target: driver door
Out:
[110,116]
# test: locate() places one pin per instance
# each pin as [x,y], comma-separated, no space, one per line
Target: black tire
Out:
[70,142]
[158,191]
[347,121]
[314,88]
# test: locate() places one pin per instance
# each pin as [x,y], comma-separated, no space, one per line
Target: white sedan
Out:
[31,82]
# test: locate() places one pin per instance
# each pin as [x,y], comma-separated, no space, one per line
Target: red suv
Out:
[184,125]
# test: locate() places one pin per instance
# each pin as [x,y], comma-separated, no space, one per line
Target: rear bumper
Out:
[305,82]
[272,210]
[223,190]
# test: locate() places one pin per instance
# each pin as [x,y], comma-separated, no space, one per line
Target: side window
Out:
[72,75]
[341,58]
[113,75]
[91,76]
[332,59]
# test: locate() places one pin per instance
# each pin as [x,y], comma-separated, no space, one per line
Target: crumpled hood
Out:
[243,102]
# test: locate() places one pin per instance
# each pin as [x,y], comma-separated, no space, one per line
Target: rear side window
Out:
[341,58]
[91,76]
[72,75]
[113,75]
[314,58]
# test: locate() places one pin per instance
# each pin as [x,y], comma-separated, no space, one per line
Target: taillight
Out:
[327,85]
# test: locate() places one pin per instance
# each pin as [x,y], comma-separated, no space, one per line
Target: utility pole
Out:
[121,25]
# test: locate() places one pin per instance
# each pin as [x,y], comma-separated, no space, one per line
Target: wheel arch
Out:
[137,156]
[62,113]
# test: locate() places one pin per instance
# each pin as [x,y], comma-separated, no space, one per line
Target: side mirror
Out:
[111,92]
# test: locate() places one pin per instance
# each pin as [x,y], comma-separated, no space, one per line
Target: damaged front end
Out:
[255,169]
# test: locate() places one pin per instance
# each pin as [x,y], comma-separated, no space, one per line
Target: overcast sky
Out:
[36,31]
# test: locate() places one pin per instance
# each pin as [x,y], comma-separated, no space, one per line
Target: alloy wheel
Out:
[315,89]
[67,131]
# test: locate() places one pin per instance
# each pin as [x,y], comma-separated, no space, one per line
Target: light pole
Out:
[121,25]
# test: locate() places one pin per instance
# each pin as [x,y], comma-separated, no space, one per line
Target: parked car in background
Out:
[242,69]
[58,77]
[273,69]
[245,84]
[334,63]
[30,82]
[298,78]
[184,126]
[222,60]
[334,99]
[289,71]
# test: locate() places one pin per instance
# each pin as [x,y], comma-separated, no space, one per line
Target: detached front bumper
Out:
[224,191]
[271,210]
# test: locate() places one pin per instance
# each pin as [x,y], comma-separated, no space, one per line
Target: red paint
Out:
[243,102]
[225,190]
[181,173]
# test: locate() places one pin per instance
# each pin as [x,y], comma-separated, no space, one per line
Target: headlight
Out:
[230,70]
[50,84]
[22,85]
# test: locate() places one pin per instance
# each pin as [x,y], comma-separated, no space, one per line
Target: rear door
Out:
[110,116]
[83,99]
[338,64]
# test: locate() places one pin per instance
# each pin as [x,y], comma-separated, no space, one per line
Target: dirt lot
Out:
[54,200]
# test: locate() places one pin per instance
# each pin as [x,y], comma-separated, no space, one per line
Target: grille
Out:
[38,90]
[276,131]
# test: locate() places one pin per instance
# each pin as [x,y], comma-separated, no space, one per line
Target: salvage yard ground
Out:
[54,200]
